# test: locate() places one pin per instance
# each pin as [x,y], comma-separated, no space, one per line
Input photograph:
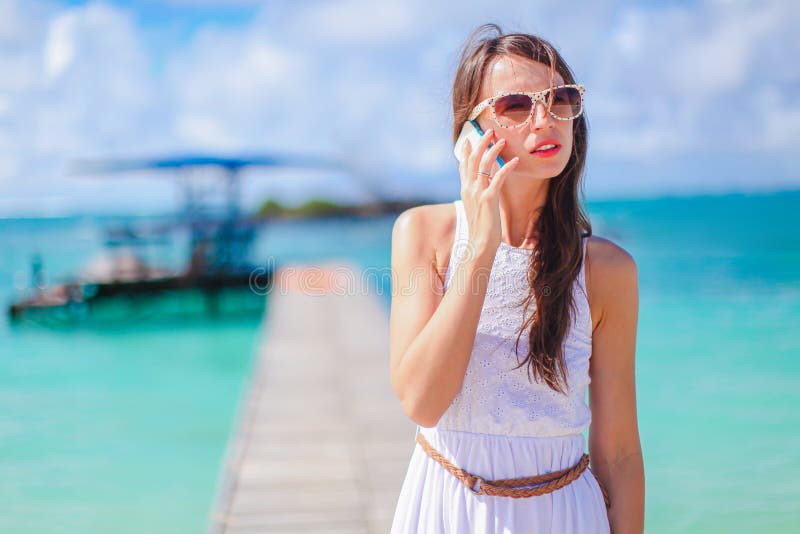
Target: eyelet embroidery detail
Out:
[496,398]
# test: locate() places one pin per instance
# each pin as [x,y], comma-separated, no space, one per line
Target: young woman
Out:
[505,308]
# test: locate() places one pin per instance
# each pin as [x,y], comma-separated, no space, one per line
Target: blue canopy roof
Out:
[228,163]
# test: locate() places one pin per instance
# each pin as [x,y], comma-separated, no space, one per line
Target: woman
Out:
[501,301]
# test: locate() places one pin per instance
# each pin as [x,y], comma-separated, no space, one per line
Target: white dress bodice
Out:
[494,397]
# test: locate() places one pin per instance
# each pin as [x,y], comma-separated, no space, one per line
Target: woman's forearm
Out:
[624,481]
[432,370]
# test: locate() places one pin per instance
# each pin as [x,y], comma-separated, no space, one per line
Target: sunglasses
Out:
[515,109]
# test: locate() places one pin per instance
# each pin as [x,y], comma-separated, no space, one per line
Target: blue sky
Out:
[682,97]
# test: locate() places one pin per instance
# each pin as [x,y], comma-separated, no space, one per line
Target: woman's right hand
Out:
[480,194]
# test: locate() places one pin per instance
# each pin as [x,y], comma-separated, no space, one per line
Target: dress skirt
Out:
[433,501]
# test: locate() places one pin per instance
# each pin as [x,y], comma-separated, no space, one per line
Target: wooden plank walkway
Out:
[322,443]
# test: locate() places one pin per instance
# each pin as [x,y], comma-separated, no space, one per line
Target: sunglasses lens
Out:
[567,103]
[512,109]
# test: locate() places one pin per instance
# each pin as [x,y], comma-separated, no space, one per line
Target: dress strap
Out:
[582,274]
[462,228]
[459,239]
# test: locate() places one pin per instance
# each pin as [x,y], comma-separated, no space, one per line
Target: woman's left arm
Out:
[614,447]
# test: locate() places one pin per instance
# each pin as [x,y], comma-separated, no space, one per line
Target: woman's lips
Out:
[546,153]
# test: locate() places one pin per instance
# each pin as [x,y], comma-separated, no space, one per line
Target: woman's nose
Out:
[541,117]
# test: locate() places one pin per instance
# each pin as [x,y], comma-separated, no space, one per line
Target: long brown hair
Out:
[556,260]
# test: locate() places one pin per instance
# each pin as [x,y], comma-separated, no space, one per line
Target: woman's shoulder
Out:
[606,253]
[431,227]
[609,270]
[431,222]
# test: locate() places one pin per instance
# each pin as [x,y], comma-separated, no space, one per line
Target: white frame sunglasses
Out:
[542,96]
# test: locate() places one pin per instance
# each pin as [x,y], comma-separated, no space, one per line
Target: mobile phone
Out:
[472,131]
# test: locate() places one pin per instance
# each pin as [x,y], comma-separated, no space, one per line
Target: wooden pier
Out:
[321,444]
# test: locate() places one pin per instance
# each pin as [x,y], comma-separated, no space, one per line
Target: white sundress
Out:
[500,425]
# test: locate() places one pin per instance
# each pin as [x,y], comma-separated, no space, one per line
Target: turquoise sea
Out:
[122,426]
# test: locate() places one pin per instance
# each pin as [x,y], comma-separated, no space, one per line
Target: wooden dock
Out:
[322,444]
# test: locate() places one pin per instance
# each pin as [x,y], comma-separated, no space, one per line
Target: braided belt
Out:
[548,482]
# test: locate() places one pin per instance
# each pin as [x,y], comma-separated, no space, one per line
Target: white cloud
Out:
[371,81]
[630,34]
[681,80]
[76,83]
[235,90]
[5,105]
[357,22]
[216,3]
[781,121]
[59,48]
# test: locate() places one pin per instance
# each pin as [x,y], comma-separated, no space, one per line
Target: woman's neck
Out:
[520,205]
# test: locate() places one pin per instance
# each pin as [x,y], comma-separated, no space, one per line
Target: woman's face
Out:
[516,73]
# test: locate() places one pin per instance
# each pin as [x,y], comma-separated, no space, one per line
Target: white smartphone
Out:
[472,131]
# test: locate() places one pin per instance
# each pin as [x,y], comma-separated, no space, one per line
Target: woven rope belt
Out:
[508,487]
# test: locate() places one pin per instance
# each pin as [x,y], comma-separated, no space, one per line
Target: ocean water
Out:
[122,426]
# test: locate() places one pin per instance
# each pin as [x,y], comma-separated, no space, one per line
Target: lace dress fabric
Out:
[503,425]
[495,398]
